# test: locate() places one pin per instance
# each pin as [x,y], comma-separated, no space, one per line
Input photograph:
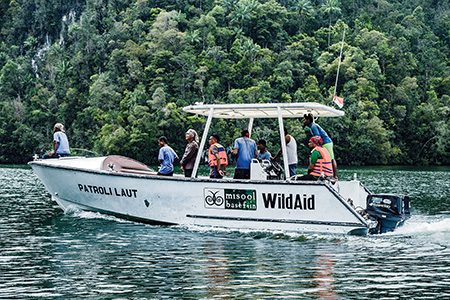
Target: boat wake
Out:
[261,234]
[415,225]
[421,225]
[77,213]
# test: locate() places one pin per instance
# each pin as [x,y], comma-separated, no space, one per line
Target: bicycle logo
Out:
[213,199]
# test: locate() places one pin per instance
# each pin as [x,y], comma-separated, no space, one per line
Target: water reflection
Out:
[324,276]
[218,269]
[47,254]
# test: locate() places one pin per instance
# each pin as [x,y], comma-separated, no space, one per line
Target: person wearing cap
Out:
[60,142]
[245,150]
[316,130]
[217,158]
[320,164]
[190,153]
[166,157]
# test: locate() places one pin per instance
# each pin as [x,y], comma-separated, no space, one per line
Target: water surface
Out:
[48,254]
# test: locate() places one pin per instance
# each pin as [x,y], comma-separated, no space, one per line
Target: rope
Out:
[339,66]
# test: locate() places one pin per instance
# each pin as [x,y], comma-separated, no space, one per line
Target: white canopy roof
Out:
[264,110]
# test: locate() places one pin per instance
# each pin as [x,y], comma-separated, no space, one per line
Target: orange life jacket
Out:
[222,154]
[323,165]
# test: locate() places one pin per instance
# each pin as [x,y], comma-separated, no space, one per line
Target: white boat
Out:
[125,188]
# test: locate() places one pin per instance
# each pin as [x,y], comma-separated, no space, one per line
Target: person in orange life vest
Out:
[217,157]
[320,161]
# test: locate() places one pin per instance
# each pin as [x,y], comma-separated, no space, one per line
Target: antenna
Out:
[339,66]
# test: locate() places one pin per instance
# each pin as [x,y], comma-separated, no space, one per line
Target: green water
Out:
[47,254]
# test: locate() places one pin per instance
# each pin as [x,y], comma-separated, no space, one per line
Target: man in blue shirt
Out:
[316,130]
[166,157]
[263,154]
[245,151]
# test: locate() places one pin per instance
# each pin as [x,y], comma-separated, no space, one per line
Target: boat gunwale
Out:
[177,178]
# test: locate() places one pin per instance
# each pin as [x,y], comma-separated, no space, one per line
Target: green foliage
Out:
[118,73]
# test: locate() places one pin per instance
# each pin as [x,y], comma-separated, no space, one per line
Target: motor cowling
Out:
[389,211]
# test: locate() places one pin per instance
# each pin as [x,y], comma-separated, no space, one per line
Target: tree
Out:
[117,73]
[330,7]
[242,12]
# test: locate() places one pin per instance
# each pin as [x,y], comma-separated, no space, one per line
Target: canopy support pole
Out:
[250,126]
[202,143]
[283,143]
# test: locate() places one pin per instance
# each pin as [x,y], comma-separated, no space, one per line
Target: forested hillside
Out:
[117,73]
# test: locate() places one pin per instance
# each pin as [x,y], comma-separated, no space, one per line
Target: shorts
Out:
[214,173]
[188,172]
[167,174]
[292,170]
[329,147]
[241,174]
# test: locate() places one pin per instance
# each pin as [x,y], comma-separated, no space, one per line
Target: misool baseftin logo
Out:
[230,199]
[289,201]
[110,191]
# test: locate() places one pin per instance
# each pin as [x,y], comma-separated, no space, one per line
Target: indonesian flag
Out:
[338,101]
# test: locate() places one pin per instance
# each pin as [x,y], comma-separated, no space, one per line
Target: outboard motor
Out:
[388,210]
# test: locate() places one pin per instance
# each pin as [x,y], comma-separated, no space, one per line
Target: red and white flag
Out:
[338,101]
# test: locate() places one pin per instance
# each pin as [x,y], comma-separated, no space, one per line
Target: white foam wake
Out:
[421,226]
[82,214]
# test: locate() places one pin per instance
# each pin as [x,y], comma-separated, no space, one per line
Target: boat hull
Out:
[254,205]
